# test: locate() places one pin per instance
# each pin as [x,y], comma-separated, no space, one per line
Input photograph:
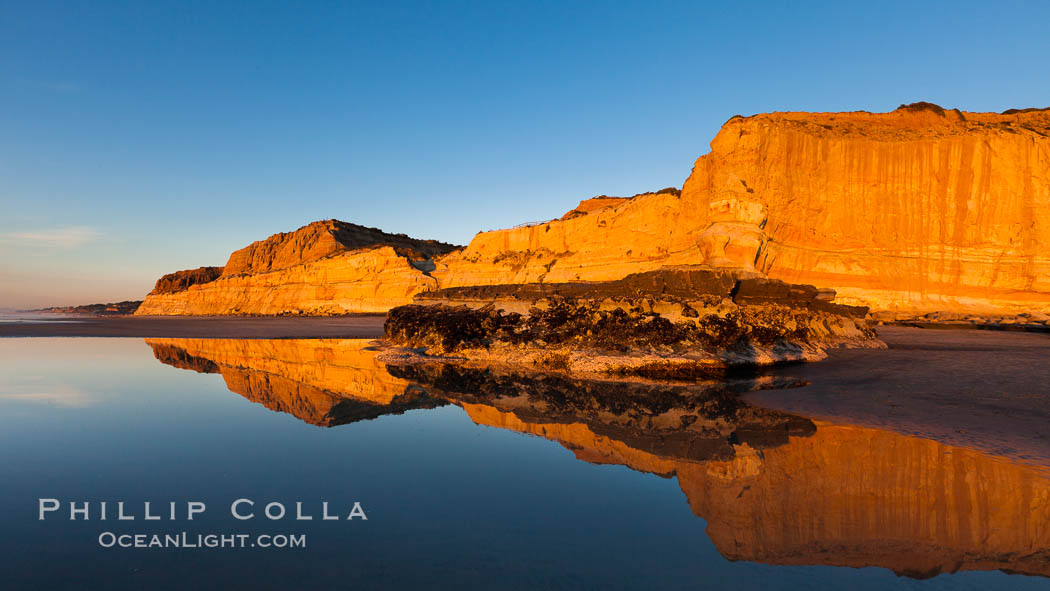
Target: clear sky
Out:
[138,138]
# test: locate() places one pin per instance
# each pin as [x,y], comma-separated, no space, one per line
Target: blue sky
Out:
[139,138]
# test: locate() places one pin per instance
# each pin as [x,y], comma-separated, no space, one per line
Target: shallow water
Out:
[481,478]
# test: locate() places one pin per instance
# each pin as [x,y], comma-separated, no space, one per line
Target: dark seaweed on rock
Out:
[584,323]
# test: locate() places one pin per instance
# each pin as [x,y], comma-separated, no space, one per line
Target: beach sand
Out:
[982,390]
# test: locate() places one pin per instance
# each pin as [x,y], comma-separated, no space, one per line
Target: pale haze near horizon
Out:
[140,140]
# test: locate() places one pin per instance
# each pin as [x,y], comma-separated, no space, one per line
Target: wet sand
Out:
[982,390]
[358,327]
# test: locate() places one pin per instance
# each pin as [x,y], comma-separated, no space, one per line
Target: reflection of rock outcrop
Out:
[773,487]
[324,382]
[700,421]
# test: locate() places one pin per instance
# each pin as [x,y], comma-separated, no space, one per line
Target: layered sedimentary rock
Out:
[917,210]
[324,382]
[321,240]
[325,268]
[601,242]
[671,323]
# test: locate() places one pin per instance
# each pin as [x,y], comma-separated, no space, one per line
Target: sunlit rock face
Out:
[914,211]
[603,241]
[323,382]
[325,268]
[920,209]
[917,210]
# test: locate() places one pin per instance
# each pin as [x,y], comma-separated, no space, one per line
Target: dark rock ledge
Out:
[673,323]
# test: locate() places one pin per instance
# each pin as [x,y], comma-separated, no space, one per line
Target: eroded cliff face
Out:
[917,210]
[363,281]
[324,382]
[321,240]
[322,269]
[914,210]
[603,241]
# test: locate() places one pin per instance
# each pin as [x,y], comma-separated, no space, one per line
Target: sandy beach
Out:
[982,390]
[230,327]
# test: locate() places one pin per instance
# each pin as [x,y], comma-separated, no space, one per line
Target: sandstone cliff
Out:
[917,210]
[321,240]
[324,268]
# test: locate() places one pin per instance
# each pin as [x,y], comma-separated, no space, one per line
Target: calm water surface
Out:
[480,479]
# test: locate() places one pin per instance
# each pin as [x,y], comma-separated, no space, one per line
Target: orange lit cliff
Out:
[917,210]
[324,268]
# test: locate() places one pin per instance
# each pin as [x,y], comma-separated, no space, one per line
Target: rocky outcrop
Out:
[324,382]
[325,268]
[672,323]
[917,210]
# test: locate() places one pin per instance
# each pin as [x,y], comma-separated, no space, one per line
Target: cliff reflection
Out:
[773,487]
[324,382]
